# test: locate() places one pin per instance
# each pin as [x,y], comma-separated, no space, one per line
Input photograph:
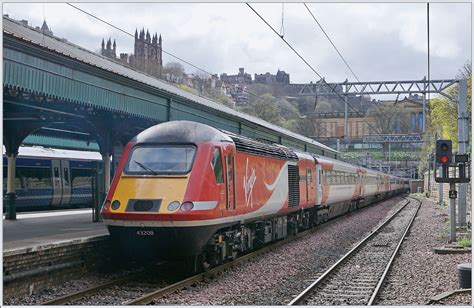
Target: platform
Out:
[40,228]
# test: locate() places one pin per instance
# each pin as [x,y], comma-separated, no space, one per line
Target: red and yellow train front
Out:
[164,198]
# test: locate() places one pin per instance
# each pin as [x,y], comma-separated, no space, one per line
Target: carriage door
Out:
[230,180]
[66,179]
[319,185]
[56,178]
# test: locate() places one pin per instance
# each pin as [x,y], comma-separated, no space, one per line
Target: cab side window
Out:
[217,166]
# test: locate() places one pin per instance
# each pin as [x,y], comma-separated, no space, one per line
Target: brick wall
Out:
[26,271]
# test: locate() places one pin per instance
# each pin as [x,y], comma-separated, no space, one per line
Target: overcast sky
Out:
[380,41]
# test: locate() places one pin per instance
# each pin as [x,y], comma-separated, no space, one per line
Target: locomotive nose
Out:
[147,195]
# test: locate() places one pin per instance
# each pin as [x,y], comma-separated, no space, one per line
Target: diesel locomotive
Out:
[187,190]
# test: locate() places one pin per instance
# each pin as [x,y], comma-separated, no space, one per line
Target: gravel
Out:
[354,281]
[276,277]
[419,274]
[88,279]
[457,300]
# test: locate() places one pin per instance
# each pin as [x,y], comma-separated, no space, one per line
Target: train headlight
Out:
[115,205]
[187,206]
[173,206]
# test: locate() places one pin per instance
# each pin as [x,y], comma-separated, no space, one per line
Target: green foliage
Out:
[444,119]
[322,107]
[291,124]
[188,89]
[378,155]
[225,100]
[464,241]
[266,109]
[287,110]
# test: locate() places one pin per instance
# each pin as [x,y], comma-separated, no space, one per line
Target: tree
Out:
[390,119]
[287,110]
[266,109]
[225,100]
[443,119]
[323,107]
[175,69]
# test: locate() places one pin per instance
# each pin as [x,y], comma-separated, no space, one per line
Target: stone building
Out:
[108,49]
[45,29]
[280,78]
[147,54]
[364,123]
[241,77]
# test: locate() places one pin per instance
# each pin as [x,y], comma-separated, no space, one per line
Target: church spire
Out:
[136,33]
[159,40]
[148,36]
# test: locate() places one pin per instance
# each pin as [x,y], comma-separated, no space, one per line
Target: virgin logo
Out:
[249,182]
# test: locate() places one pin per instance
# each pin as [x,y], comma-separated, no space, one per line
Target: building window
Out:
[413,122]
[420,121]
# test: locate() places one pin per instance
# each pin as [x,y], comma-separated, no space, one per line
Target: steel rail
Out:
[298,299]
[69,298]
[148,298]
[390,262]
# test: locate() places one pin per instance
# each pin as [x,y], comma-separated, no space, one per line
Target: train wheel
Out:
[204,262]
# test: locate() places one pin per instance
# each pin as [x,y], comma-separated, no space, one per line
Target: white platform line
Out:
[52,214]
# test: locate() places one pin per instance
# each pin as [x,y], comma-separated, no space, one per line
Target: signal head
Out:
[444,152]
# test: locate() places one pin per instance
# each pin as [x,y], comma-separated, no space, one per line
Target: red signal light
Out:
[444,159]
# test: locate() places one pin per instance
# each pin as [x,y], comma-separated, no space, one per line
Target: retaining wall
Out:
[29,270]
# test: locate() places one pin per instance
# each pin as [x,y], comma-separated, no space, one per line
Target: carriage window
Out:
[33,178]
[161,159]
[217,166]
[81,178]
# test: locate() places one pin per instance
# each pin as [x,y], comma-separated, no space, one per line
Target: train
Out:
[48,179]
[186,190]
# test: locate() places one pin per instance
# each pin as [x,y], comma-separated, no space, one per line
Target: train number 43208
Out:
[145,232]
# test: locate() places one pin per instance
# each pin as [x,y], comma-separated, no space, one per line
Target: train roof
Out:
[181,132]
[340,165]
[38,151]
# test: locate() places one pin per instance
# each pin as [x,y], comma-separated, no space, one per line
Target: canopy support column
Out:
[10,200]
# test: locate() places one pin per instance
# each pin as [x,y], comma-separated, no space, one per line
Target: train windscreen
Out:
[160,159]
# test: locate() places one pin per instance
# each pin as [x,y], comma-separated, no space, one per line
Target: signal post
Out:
[460,173]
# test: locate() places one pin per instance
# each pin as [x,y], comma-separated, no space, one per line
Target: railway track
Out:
[149,298]
[73,297]
[357,277]
[154,290]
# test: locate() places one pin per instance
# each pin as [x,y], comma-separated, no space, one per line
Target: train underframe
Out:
[228,243]
[208,246]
